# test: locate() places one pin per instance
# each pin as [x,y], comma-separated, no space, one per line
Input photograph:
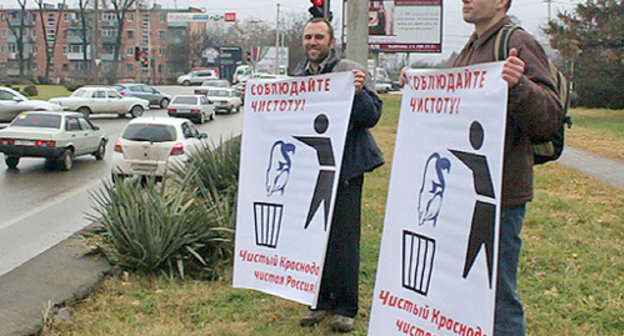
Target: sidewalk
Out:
[60,275]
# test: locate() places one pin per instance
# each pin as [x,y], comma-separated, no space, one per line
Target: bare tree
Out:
[19,35]
[50,46]
[84,29]
[121,7]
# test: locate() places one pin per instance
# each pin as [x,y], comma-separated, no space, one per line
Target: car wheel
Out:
[164,103]
[212,115]
[50,164]
[85,111]
[66,160]
[12,161]
[186,83]
[202,118]
[101,151]
[136,111]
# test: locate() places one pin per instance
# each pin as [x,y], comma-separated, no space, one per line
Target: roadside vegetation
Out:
[571,271]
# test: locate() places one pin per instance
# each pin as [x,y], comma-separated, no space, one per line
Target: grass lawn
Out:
[47,91]
[571,274]
[598,130]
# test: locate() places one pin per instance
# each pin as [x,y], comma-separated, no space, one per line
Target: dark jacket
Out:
[361,153]
[534,108]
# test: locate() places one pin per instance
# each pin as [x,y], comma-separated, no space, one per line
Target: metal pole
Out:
[357,31]
[277,40]
[94,56]
[137,35]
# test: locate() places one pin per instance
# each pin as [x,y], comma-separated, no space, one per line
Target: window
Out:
[84,124]
[3,49]
[50,34]
[65,67]
[33,66]
[113,94]
[144,37]
[163,17]
[145,20]
[3,33]
[128,67]
[12,47]
[99,94]
[130,34]
[72,124]
[130,16]
[65,32]
[129,50]
[161,34]
[51,19]
[75,48]
[161,51]
[160,68]
[38,120]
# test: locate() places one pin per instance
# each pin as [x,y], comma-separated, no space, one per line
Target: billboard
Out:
[405,25]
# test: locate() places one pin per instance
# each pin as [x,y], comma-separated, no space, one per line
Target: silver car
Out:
[56,136]
[13,103]
[195,107]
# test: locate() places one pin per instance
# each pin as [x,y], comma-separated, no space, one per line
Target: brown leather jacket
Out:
[534,108]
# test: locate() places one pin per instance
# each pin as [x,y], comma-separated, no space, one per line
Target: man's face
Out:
[317,42]
[480,12]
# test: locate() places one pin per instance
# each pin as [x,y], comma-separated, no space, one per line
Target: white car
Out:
[195,107]
[13,103]
[92,100]
[224,99]
[211,83]
[56,136]
[153,146]
[382,87]
[197,77]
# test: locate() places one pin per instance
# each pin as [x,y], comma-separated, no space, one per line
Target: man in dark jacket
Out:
[534,111]
[339,284]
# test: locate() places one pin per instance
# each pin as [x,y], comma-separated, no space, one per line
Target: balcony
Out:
[77,56]
[74,39]
[13,72]
[109,39]
[109,23]
[110,57]
[15,22]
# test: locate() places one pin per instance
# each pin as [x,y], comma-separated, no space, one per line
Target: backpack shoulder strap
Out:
[501,44]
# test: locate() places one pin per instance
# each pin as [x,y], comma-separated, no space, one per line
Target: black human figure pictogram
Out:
[325,179]
[484,215]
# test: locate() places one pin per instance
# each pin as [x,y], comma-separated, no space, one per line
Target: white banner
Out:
[294,132]
[436,272]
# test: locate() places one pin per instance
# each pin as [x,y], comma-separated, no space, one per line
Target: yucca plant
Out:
[214,173]
[155,227]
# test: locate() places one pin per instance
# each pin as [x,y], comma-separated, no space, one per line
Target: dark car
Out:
[144,91]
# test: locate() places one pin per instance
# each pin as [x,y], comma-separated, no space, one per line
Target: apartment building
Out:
[74,60]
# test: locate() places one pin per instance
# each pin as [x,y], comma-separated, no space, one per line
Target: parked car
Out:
[152,146]
[224,99]
[194,107]
[197,77]
[144,91]
[382,87]
[13,103]
[56,136]
[91,100]
[211,83]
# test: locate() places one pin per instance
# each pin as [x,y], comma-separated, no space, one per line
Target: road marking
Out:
[54,201]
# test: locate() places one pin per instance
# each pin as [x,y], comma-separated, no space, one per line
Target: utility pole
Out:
[277,41]
[137,34]
[357,31]
[549,2]
[94,45]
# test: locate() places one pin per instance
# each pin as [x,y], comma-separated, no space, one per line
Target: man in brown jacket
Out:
[534,111]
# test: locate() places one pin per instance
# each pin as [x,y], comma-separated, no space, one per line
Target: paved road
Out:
[39,208]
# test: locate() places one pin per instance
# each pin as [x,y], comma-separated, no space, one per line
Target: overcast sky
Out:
[532,14]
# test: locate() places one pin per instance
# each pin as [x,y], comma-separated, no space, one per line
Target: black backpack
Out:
[551,148]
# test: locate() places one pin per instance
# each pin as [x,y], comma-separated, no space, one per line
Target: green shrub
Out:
[153,227]
[72,86]
[30,90]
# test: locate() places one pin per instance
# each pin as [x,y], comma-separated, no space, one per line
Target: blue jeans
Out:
[509,316]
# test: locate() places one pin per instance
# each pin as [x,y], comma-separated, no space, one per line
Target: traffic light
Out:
[248,57]
[137,53]
[320,8]
[144,59]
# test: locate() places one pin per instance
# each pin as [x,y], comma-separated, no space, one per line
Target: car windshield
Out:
[149,132]
[185,100]
[218,93]
[79,93]
[37,120]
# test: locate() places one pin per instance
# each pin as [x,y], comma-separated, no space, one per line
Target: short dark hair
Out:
[508,5]
[320,19]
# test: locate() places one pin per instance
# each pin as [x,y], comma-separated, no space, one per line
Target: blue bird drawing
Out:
[279,167]
[432,188]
